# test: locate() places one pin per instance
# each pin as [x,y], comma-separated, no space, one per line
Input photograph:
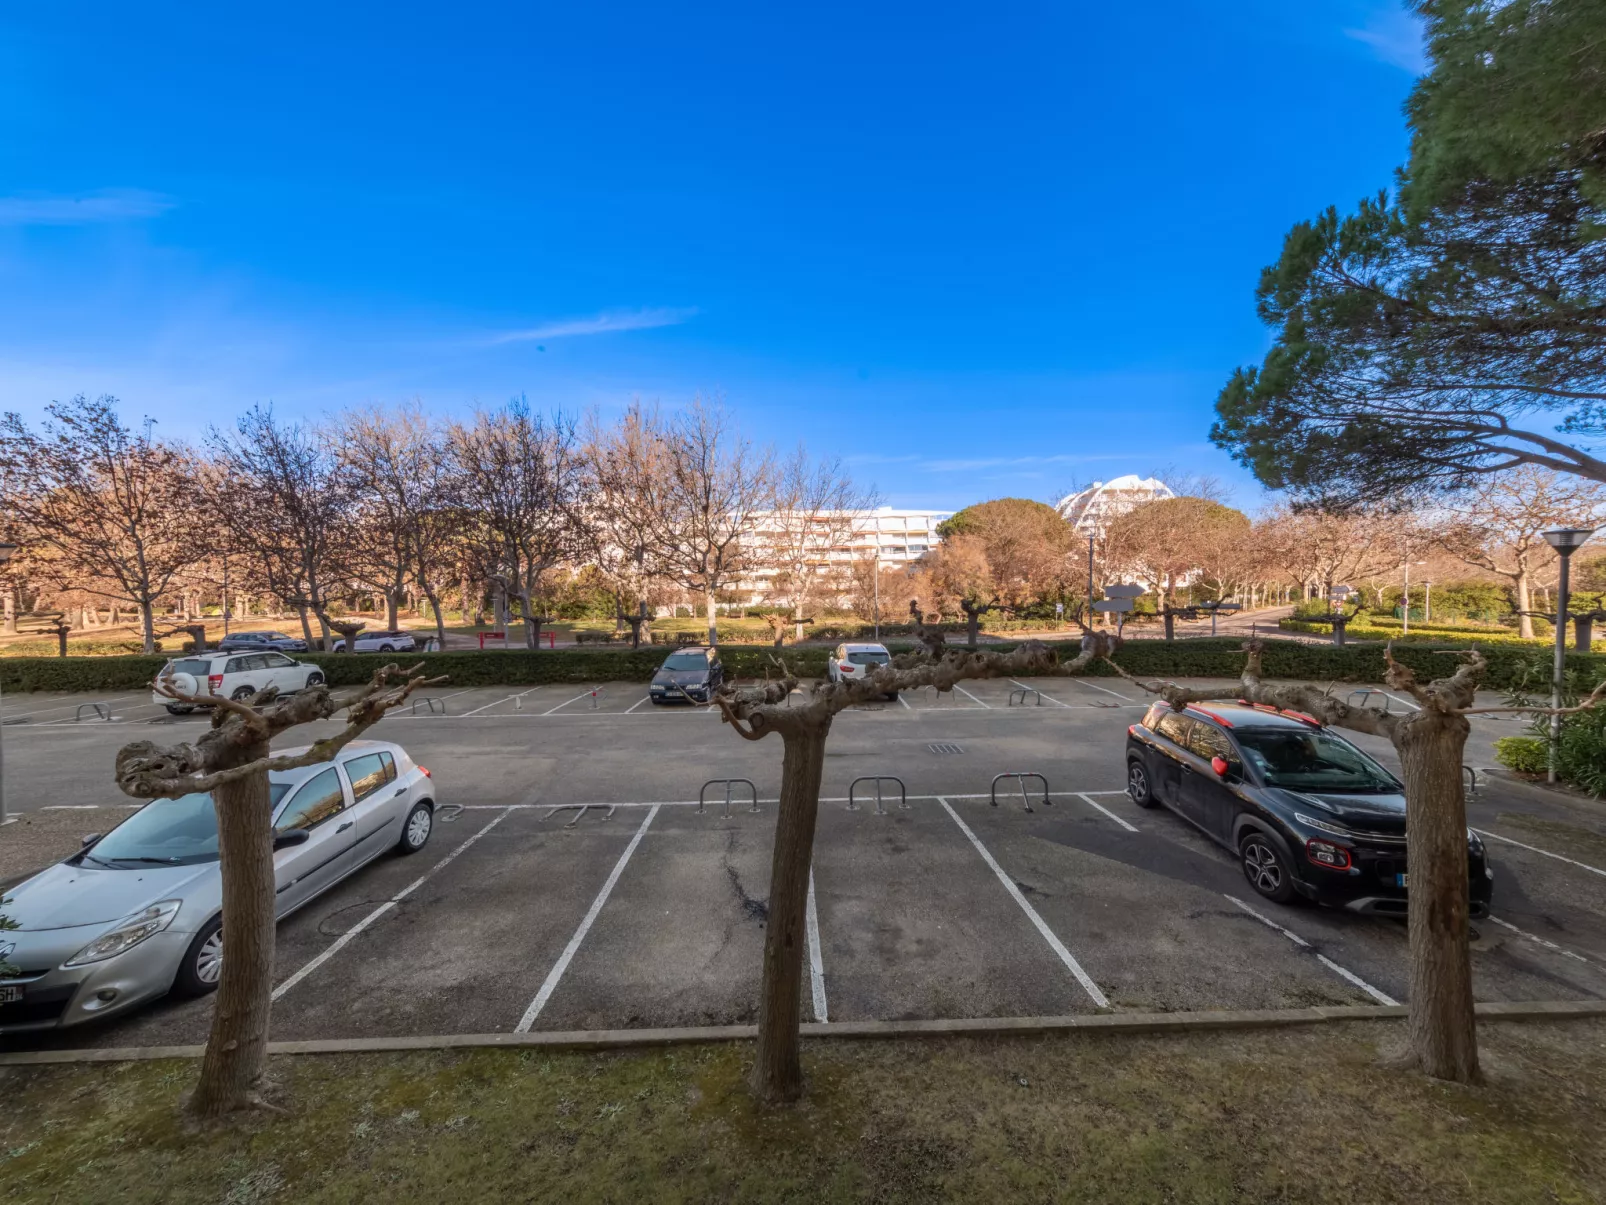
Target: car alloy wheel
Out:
[1265,868]
[1137,784]
[244,693]
[314,679]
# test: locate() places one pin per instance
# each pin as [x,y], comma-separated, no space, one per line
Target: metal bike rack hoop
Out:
[1021,776]
[1366,692]
[878,779]
[433,704]
[100,709]
[1022,692]
[729,784]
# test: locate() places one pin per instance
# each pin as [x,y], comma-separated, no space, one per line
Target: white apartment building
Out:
[1091,510]
[895,537]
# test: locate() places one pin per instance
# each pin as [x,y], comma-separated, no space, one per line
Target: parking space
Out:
[528,912]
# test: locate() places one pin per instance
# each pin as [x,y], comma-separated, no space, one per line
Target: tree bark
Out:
[440,618]
[1584,632]
[11,610]
[777,1065]
[147,627]
[713,626]
[306,628]
[237,1049]
[1443,1034]
[1525,623]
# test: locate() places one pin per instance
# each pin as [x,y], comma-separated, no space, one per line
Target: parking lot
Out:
[582,886]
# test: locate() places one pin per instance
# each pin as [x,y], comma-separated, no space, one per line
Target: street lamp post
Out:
[1427,602]
[1405,610]
[1566,541]
[876,575]
[7,551]
[1090,537]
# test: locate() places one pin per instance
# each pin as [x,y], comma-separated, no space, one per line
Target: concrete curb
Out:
[628,1039]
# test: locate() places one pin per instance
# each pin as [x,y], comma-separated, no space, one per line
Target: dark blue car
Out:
[257,642]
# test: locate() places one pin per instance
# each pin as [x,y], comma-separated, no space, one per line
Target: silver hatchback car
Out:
[136,913]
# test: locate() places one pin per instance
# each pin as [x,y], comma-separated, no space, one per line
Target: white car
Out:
[380,642]
[137,913]
[849,662]
[234,676]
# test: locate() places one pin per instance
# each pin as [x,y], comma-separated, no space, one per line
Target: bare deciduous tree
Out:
[105,510]
[716,490]
[1163,542]
[1496,525]
[231,761]
[520,480]
[817,507]
[628,464]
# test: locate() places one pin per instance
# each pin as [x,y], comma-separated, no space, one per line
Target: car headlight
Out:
[1325,826]
[1474,842]
[127,933]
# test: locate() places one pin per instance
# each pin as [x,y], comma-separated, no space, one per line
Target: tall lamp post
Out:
[7,551]
[1405,611]
[1566,541]
[875,571]
[1090,537]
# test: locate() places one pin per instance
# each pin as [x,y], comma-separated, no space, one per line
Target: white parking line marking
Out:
[1535,849]
[350,934]
[1105,689]
[691,803]
[972,697]
[492,704]
[1549,945]
[1054,942]
[1040,694]
[1380,997]
[816,963]
[566,702]
[1088,800]
[638,703]
[117,700]
[556,973]
[905,702]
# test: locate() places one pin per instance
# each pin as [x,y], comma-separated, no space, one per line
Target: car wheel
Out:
[385,648]
[416,829]
[314,679]
[180,708]
[1266,868]
[243,693]
[203,962]
[1138,788]
[892,696]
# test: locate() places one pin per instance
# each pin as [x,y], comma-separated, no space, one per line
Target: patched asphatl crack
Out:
[758,910]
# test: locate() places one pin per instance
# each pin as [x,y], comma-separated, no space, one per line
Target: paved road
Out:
[526,911]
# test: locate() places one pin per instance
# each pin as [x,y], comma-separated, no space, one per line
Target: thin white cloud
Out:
[107,205]
[607,323]
[1396,37]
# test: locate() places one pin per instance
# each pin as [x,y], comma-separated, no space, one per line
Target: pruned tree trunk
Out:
[1170,621]
[236,1055]
[1525,623]
[1443,1035]
[777,1064]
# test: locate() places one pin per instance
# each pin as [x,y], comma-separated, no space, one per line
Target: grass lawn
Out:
[1299,1115]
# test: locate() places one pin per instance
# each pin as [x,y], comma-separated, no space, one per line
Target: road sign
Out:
[1059,608]
[1114,604]
[1343,591]
[1123,592]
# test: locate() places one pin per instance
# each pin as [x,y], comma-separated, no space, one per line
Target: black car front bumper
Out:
[1371,884]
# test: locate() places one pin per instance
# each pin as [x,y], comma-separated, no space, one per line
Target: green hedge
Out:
[1214,657]
[1461,637]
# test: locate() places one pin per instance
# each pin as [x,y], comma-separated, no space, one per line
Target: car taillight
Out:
[424,770]
[846,668]
[1325,853]
[214,682]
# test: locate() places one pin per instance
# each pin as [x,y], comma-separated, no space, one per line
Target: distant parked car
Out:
[235,676]
[691,674]
[137,913]
[853,662]
[381,642]
[251,642]
[1307,813]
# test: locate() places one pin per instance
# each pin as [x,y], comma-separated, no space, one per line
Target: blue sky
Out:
[977,250]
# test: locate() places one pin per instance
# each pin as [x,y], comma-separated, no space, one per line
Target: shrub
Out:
[1524,754]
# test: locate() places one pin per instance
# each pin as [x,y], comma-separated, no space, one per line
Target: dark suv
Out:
[256,642]
[1305,811]
[689,674]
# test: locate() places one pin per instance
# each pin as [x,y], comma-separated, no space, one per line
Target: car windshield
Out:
[861,658]
[172,832]
[686,661]
[1311,760]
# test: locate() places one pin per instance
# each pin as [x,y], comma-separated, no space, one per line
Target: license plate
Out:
[10,995]
[1402,880]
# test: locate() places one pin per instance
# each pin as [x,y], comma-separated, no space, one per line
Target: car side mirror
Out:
[294,836]
[1219,765]
[89,839]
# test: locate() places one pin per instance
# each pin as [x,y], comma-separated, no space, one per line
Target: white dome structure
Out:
[1091,510]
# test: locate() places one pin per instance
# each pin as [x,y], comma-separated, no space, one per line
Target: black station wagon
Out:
[1306,812]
